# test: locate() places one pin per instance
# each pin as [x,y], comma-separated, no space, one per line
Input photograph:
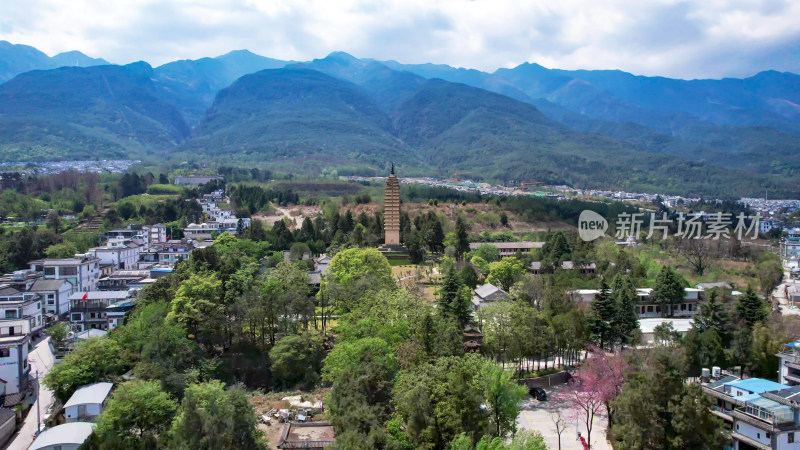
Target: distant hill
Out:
[387,87]
[86,113]
[17,59]
[191,85]
[497,138]
[297,118]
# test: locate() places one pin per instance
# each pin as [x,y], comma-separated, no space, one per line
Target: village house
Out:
[55,294]
[486,294]
[509,248]
[90,309]
[758,413]
[82,271]
[68,436]
[87,402]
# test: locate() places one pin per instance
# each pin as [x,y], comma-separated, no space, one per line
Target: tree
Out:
[487,252]
[136,415]
[770,274]
[53,221]
[696,253]
[296,361]
[585,401]
[345,356]
[58,333]
[505,273]
[350,266]
[694,427]
[462,239]
[625,321]
[440,400]
[751,308]
[664,334]
[605,374]
[556,249]
[713,315]
[212,417]
[503,398]
[58,251]
[196,306]
[94,360]
[656,409]
[766,344]
[559,425]
[668,289]
[469,277]
[603,310]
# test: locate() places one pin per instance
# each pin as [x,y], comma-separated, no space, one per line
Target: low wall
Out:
[545,381]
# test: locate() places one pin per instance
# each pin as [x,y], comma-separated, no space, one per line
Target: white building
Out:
[87,402]
[486,294]
[55,294]
[68,436]
[83,271]
[120,255]
[92,312]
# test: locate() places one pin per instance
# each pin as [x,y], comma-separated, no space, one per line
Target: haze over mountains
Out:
[603,129]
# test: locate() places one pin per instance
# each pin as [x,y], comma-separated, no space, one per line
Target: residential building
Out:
[789,364]
[790,245]
[509,248]
[82,271]
[92,312]
[486,294]
[167,253]
[760,414]
[195,180]
[648,307]
[123,280]
[583,295]
[118,255]
[68,436]
[18,305]
[87,402]
[115,313]
[55,294]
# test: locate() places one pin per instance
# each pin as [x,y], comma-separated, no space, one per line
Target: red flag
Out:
[85,296]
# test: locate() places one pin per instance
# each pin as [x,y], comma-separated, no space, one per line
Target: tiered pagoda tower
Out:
[391,210]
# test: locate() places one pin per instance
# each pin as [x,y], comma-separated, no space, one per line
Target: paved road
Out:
[537,415]
[41,359]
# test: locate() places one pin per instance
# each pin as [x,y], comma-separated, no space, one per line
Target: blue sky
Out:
[682,39]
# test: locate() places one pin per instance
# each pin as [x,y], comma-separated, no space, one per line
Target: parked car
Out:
[538,394]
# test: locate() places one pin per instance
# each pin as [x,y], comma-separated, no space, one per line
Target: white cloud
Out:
[702,38]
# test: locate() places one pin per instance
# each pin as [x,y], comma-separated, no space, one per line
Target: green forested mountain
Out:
[298,117]
[191,85]
[73,112]
[17,59]
[603,129]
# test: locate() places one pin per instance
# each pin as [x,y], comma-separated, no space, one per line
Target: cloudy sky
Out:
[684,39]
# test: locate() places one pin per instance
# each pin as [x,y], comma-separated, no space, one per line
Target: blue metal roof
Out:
[756,385]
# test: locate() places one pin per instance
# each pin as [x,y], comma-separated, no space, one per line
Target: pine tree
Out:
[751,308]
[449,290]
[668,289]
[603,311]
[625,321]
[462,239]
[714,316]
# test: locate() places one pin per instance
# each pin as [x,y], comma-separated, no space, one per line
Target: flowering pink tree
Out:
[594,387]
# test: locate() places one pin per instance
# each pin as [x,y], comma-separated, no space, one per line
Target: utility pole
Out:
[38,405]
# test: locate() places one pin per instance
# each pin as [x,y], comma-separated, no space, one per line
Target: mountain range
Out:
[601,129]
